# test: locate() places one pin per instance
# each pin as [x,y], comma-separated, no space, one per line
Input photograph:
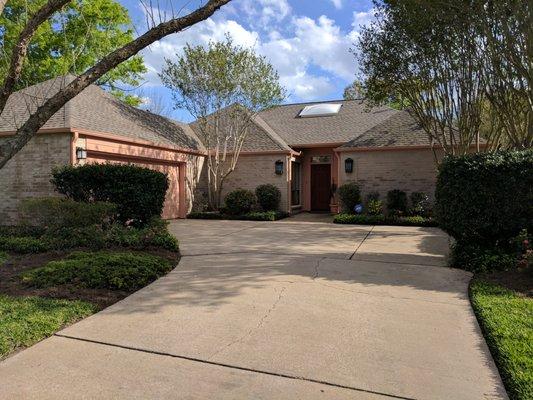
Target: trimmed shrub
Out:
[478,258]
[486,197]
[374,206]
[364,219]
[396,202]
[268,197]
[251,216]
[23,245]
[139,193]
[239,201]
[420,204]
[100,270]
[350,196]
[53,213]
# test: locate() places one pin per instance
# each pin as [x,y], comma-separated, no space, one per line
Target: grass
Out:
[506,319]
[27,320]
[3,257]
[100,270]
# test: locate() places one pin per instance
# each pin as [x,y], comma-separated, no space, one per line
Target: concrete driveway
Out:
[295,309]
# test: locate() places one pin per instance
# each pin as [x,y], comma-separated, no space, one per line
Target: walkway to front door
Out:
[277,310]
[320,187]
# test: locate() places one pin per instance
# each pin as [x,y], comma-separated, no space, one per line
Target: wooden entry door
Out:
[320,187]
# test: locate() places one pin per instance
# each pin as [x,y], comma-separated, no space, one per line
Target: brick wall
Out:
[255,170]
[381,171]
[28,173]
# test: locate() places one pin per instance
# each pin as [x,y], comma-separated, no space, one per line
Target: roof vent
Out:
[320,110]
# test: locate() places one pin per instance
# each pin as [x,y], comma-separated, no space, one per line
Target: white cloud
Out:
[337,4]
[262,13]
[309,54]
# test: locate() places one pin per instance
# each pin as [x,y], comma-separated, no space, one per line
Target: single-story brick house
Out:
[109,131]
[307,150]
[323,145]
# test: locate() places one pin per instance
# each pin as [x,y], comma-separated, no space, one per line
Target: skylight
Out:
[320,110]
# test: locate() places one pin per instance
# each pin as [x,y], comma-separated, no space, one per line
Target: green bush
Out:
[365,219]
[139,193]
[486,197]
[476,257]
[374,206]
[251,216]
[23,245]
[21,230]
[420,204]
[53,213]
[239,201]
[268,197]
[100,270]
[396,202]
[350,196]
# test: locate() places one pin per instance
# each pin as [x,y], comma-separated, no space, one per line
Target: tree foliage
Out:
[461,65]
[71,41]
[223,86]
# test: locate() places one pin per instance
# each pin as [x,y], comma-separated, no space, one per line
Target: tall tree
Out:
[49,106]
[461,65]
[72,40]
[223,86]
[426,54]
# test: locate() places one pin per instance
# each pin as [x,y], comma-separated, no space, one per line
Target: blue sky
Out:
[307,41]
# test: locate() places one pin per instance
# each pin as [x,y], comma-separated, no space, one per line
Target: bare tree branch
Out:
[54,104]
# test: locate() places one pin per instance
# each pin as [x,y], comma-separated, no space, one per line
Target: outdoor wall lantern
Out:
[81,153]
[348,165]
[278,167]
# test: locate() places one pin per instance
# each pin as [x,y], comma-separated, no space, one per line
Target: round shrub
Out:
[396,202]
[420,204]
[486,197]
[268,197]
[349,195]
[139,193]
[239,201]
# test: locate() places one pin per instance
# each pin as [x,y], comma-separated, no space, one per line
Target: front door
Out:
[320,186]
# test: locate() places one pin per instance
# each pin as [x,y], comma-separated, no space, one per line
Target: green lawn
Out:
[507,322]
[26,320]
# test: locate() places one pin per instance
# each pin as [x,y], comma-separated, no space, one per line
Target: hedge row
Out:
[251,216]
[363,219]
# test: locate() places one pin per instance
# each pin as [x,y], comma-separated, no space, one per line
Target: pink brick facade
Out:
[256,169]
[382,170]
[28,173]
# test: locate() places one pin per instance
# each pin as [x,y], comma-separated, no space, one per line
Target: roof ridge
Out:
[271,132]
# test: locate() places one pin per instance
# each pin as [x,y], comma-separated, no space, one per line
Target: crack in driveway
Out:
[251,331]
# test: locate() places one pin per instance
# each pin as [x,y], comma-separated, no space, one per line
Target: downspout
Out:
[73,143]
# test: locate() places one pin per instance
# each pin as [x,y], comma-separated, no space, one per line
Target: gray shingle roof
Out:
[400,129]
[261,137]
[353,119]
[96,110]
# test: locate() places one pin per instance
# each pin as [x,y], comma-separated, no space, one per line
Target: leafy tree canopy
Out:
[73,40]
[205,80]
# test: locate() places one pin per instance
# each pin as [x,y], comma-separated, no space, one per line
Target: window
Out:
[295,183]
[320,110]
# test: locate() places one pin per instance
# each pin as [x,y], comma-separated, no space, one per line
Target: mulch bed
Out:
[12,285]
[520,281]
